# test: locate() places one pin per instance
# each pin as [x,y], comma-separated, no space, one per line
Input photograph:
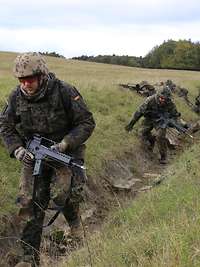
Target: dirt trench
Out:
[121,180]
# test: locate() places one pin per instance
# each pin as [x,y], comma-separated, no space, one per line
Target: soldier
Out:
[182,92]
[153,107]
[45,105]
[171,85]
[146,89]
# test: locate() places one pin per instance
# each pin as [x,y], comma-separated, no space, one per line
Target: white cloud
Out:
[77,27]
[132,40]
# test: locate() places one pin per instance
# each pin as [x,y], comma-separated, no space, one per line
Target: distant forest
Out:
[182,54]
[51,54]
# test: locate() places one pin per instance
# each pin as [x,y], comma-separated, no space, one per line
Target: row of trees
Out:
[171,54]
[118,60]
[182,54]
[51,54]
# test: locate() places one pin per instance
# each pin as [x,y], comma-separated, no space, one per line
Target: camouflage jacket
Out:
[197,100]
[57,111]
[151,110]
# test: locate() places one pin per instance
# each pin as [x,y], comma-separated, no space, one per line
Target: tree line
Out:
[51,54]
[182,54]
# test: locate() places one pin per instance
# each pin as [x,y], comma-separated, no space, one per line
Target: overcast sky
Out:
[93,27]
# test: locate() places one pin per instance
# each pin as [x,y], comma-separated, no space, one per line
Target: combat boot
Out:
[23,264]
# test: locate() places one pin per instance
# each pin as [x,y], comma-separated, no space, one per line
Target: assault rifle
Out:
[165,121]
[42,152]
[130,86]
[40,148]
[142,89]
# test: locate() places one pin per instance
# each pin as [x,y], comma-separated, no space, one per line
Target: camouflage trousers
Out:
[149,138]
[62,187]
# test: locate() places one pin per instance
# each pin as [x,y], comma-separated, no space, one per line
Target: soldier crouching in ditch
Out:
[153,109]
[45,105]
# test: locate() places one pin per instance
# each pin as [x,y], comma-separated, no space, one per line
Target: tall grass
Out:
[111,105]
[160,228]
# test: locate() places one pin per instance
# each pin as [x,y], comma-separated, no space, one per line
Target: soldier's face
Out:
[30,84]
[162,100]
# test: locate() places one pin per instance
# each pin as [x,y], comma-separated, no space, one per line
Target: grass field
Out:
[161,228]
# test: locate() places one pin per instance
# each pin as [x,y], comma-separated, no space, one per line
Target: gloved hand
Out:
[20,153]
[23,155]
[129,127]
[61,147]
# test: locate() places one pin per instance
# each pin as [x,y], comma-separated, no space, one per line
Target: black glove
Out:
[129,127]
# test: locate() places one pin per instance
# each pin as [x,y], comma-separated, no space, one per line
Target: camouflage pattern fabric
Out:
[151,110]
[32,230]
[197,100]
[57,112]
[146,89]
[28,64]
[162,142]
[166,92]
[182,92]
[171,85]
[143,83]
[62,185]
[149,138]
[55,184]
[196,107]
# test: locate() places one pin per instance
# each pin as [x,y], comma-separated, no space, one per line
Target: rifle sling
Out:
[35,183]
[52,219]
[35,206]
[58,209]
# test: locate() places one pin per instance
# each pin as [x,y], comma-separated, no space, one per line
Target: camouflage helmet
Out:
[28,64]
[169,82]
[165,92]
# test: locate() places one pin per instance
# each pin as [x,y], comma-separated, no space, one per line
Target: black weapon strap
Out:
[35,205]
[51,221]
[58,209]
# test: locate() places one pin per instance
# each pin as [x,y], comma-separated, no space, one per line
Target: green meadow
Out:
[159,227]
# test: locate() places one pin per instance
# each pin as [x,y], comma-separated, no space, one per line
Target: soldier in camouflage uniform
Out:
[153,107]
[171,85]
[146,89]
[43,104]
